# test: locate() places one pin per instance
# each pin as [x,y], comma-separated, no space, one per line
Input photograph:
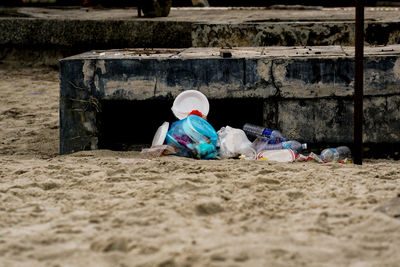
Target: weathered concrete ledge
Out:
[32,32]
[306,91]
[291,33]
[98,34]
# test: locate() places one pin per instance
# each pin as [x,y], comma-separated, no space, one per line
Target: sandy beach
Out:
[110,208]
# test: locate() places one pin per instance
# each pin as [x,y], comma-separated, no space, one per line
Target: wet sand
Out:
[107,208]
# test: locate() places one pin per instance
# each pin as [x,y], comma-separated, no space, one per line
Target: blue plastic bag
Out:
[193,137]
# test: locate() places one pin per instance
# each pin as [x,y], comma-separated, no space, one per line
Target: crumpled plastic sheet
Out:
[157,151]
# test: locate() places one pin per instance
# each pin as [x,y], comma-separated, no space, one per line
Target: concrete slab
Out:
[306,92]
[52,33]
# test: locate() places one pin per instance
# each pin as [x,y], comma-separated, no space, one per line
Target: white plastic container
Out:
[282,155]
[160,135]
[188,101]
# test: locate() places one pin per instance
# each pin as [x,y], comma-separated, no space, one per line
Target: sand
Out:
[107,208]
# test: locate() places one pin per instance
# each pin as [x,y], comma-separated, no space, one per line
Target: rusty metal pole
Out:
[358,82]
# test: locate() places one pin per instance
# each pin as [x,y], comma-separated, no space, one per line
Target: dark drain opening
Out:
[235,112]
[131,125]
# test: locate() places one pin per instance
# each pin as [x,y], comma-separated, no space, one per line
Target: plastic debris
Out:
[233,143]
[193,137]
[190,101]
[161,134]
[335,154]
[158,151]
[282,155]
[261,144]
[268,135]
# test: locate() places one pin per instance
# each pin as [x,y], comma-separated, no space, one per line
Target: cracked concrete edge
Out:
[78,107]
[236,78]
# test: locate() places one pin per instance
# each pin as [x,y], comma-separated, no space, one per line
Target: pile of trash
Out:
[192,136]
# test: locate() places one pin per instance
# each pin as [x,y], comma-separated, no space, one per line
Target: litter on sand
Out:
[194,137]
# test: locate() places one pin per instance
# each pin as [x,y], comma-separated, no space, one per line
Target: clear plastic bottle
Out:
[273,136]
[294,145]
[335,154]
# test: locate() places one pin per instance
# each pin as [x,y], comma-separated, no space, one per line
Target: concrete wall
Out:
[44,41]
[307,96]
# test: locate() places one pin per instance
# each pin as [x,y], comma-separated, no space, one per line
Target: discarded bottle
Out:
[273,136]
[294,145]
[335,154]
